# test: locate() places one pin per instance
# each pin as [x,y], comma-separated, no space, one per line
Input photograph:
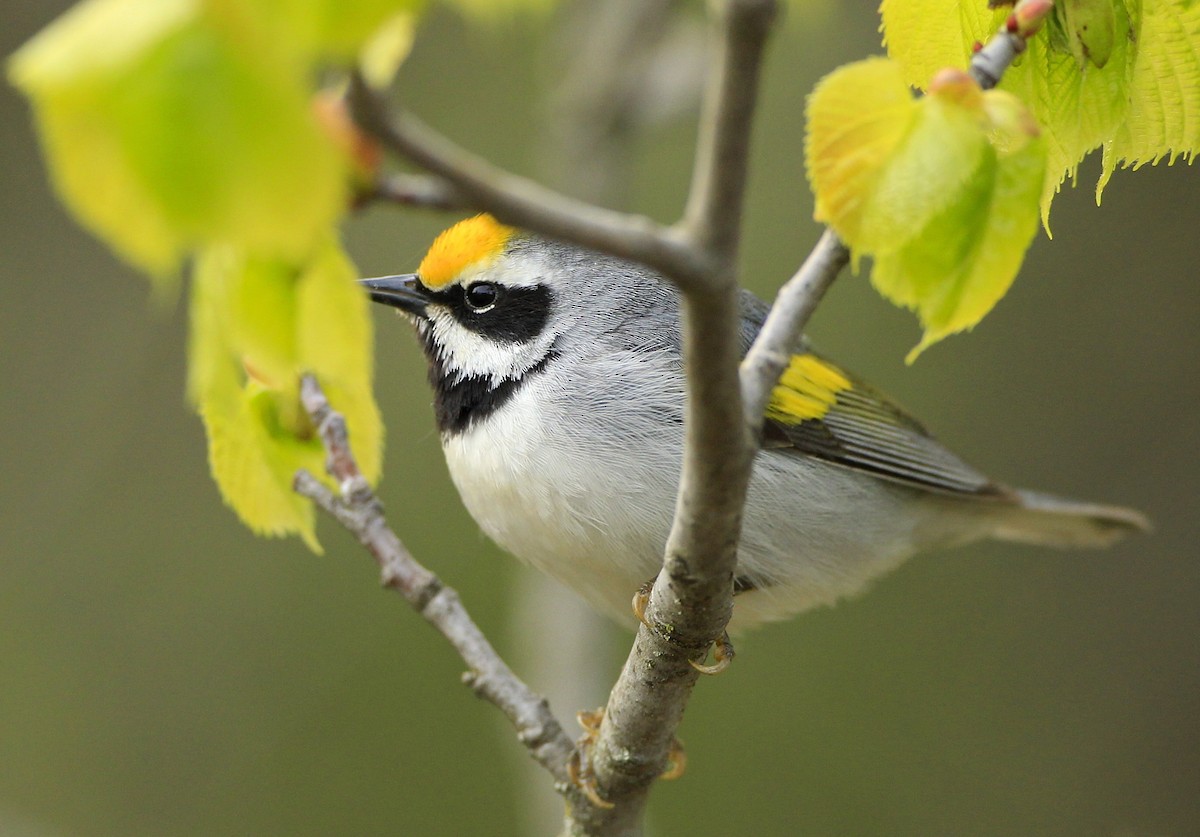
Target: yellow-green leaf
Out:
[942,191]
[253,460]
[257,325]
[925,36]
[384,52]
[1079,109]
[1164,96]
[1091,29]
[167,127]
[320,28]
[857,115]
[1123,75]
[334,341]
[966,258]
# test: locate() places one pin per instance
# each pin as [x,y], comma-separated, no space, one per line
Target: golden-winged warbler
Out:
[558,391]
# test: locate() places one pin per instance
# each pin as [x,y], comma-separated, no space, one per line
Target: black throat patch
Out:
[459,402]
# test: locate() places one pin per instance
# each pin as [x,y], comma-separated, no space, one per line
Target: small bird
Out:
[558,385]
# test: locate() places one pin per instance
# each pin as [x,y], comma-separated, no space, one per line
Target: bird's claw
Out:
[722,649]
[723,653]
[641,599]
[676,761]
[579,768]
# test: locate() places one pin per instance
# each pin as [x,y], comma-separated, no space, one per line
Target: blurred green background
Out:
[164,672]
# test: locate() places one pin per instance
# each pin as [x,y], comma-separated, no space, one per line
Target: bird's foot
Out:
[676,761]
[722,649]
[579,768]
[640,600]
[722,652]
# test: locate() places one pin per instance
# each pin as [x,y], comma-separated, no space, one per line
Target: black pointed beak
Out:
[404,292]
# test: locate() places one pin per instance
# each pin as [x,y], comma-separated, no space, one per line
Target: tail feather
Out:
[1056,521]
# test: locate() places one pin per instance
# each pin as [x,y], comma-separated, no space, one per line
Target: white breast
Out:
[586,494]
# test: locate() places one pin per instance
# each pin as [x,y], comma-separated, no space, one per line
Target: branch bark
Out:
[360,512]
[519,201]
[776,342]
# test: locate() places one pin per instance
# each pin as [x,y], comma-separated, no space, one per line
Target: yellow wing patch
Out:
[807,390]
[469,242]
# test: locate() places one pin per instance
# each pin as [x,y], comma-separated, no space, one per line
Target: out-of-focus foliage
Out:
[1120,75]
[181,127]
[941,191]
[257,325]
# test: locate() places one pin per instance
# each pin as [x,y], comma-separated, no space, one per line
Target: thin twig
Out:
[776,341]
[519,201]
[359,511]
[425,191]
[990,61]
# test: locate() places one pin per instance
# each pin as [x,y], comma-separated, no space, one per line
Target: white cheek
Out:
[472,355]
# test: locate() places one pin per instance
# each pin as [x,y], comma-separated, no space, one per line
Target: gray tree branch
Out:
[776,342]
[360,512]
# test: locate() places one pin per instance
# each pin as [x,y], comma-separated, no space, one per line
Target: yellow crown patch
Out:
[469,242]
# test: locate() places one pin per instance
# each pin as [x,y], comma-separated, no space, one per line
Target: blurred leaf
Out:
[322,28]
[334,341]
[172,124]
[941,191]
[382,55]
[257,325]
[1119,74]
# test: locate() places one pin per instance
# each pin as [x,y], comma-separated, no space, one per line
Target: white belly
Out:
[596,516]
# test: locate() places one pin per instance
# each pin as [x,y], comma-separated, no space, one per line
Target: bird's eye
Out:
[482,296]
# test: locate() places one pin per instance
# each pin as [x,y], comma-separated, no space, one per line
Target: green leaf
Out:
[171,125]
[1091,29]
[1164,99]
[257,325]
[965,259]
[942,191]
[321,28]
[925,36]
[1123,75]
[857,116]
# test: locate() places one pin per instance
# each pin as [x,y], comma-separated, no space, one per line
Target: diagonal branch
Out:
[519,201]
[358,510]
[776,341]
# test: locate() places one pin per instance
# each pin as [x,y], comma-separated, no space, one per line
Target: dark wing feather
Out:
[864,430]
